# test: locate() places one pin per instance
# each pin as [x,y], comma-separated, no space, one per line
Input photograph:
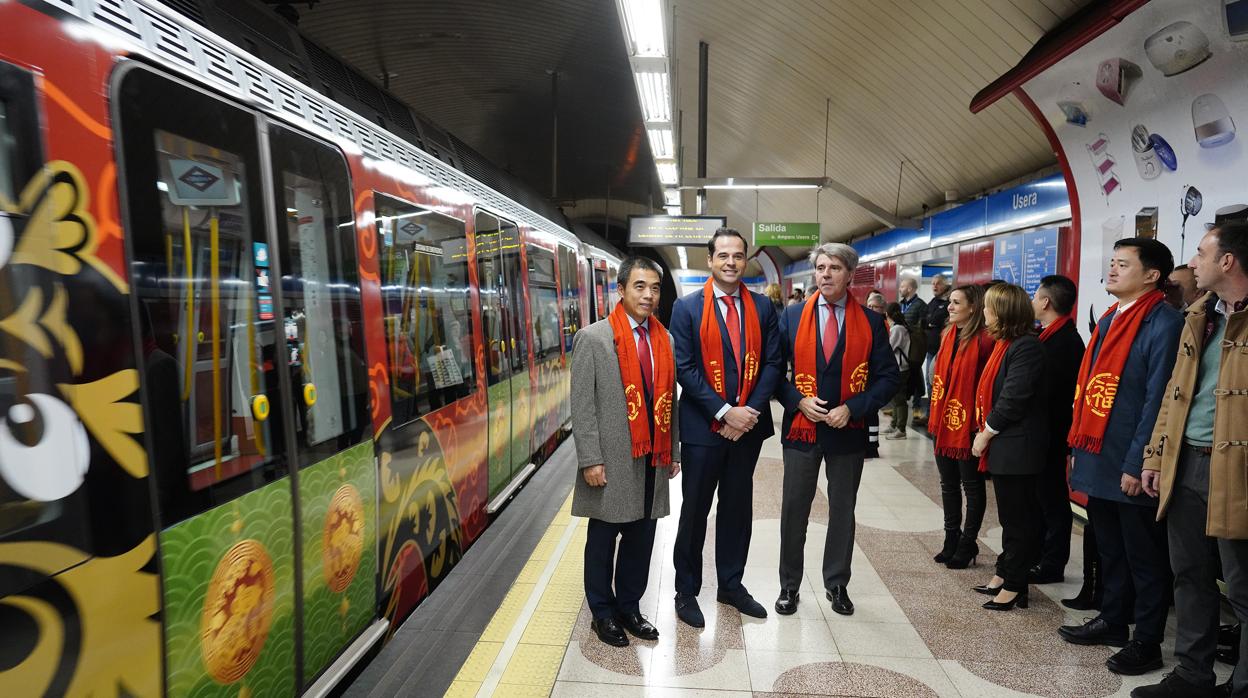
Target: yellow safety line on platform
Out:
[520,652]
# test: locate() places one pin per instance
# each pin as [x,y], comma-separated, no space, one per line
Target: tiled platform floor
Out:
[918,630]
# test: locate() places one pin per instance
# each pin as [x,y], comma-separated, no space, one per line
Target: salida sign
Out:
[786,234]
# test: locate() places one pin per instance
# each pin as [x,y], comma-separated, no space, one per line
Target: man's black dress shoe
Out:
[688,611]
[609,632]
[1095,632]
[637,626]
[839,596]
[1136,658]
[1174,686]
[1036,575]
[743,602]
[786,605]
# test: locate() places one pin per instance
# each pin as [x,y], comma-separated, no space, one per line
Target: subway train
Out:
[267,367]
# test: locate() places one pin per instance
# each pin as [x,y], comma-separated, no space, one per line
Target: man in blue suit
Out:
[824,417]
[728,364]
[1125,369]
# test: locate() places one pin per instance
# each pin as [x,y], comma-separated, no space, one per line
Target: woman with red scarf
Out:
[1013,432]
[964,350]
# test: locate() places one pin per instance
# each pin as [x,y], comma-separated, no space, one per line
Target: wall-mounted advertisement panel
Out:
[1147,115]
[660,231]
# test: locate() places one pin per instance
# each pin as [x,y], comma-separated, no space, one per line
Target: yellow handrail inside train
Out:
[252,368]
[189,338]
[214,285]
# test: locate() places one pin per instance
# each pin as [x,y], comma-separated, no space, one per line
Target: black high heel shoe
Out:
[951,546]
[965,555]
[1019,600]
[985,589]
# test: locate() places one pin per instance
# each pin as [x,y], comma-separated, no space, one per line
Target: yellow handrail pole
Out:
[214,282]
[191,340]
[252,367]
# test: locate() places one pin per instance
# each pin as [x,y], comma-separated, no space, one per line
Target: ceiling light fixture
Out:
[656,95]
[643,25]
[671,197]
[756,183]
[668,174]
[661,142]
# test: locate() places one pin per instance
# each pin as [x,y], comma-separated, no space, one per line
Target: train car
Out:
[267,369]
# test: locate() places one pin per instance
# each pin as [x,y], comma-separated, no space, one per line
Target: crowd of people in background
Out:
[1142,416]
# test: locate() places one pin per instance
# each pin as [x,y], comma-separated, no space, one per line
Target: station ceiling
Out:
[890,79]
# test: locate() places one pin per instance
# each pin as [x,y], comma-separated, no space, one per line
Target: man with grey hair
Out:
[915,310]
[843,371]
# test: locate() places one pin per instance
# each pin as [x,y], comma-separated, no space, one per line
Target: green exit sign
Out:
[786,234]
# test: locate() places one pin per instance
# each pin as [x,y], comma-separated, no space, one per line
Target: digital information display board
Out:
[658,231]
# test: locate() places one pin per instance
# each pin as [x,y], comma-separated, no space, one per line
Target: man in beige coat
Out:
[1195,463]
[624,422]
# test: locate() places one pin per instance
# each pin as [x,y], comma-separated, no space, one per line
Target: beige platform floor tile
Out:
[549,628]
[878,639]
[775,635]
[477,666]
[928,671]
[578,668]
[534,665]
[678,667]
[571,689]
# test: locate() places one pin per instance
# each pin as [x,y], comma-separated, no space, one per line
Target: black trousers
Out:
[1020,516]
[629,565]
[1134,563]
[730,469]
[956,477]
[1052,548]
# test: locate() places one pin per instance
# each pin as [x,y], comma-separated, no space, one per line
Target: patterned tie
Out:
[829,334]
[643,354]
[734,327]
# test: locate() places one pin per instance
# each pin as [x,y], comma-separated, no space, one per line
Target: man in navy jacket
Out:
[723,457]
[840,434]
[1132,544]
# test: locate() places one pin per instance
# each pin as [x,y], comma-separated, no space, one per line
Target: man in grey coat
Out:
[624,422]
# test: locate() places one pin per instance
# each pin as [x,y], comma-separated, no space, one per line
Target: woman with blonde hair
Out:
[964,350]
[1013,432]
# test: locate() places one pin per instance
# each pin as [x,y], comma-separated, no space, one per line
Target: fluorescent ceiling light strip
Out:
[644,20]
[661,142]
[668,173]
[655,94]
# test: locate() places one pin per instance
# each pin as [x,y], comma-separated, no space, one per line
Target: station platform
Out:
[918,629]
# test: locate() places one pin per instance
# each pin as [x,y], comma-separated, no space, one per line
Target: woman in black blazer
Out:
[1013,436]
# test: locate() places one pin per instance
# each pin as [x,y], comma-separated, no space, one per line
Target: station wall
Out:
[1146,117]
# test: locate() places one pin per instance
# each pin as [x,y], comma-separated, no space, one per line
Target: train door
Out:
[517,315]
[255,389]
[495,321]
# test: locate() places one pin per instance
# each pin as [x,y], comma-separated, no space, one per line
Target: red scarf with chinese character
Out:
[1098,381]
[953,392]
[983,392]
[857,337]
[713,347]
[1052,329]
[660,443]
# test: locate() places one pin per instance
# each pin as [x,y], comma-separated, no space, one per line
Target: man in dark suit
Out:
[1053,302]
[725,416]
[843,371]
[1121,383]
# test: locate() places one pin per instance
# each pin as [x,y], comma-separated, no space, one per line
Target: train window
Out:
[209,350]
[517,322]
[543,302]
[20,155]
[491,290]
[601,293]
[321,320]
[424,267]
[571,298]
